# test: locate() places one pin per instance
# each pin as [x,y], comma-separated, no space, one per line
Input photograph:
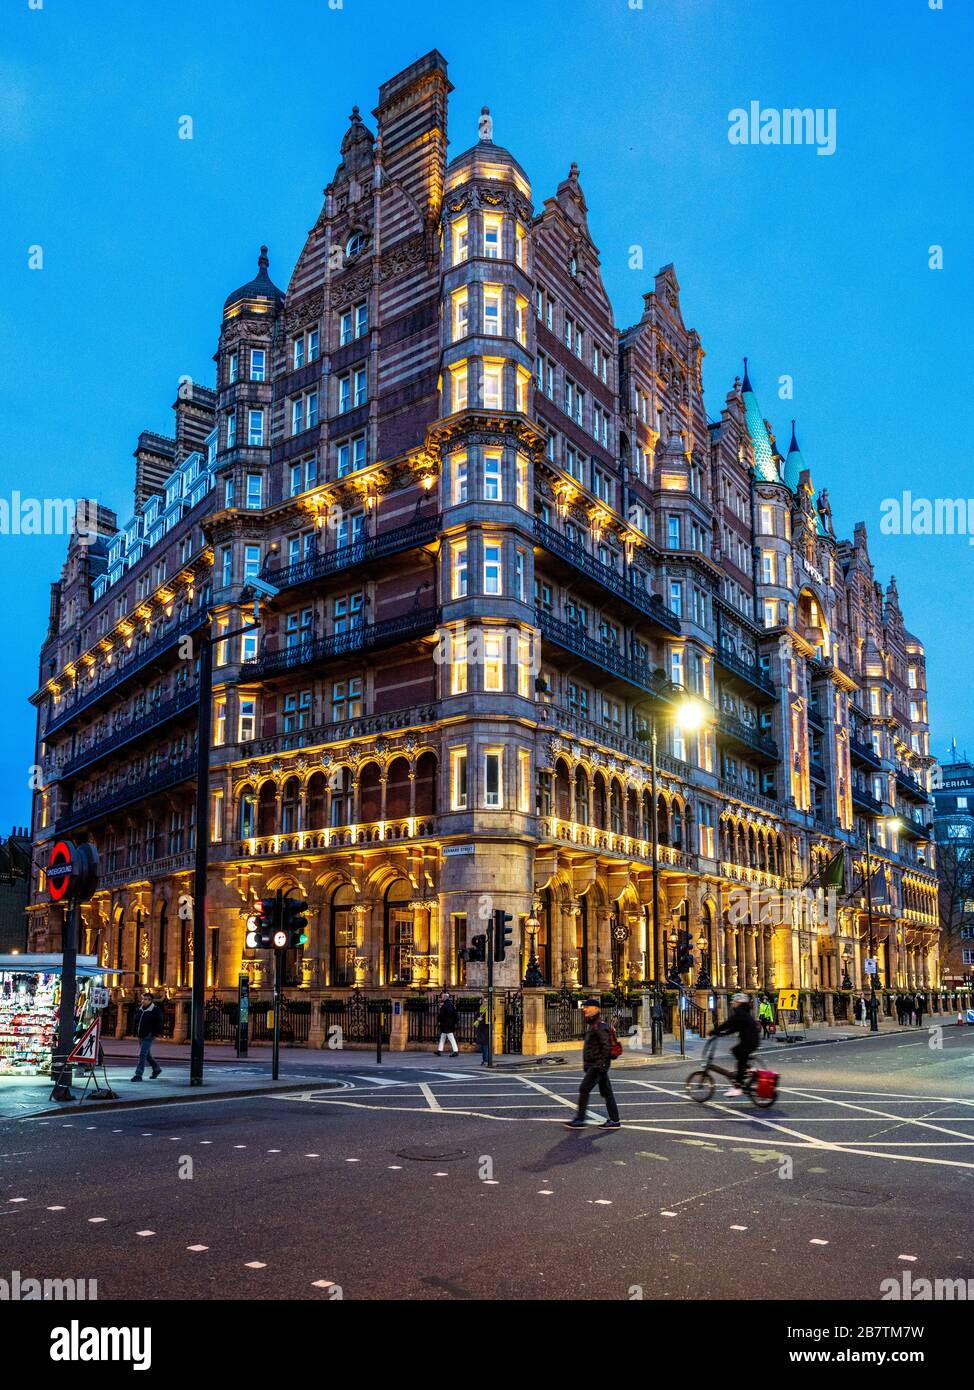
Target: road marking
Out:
[738,1228]
[145,1233]
[818,1242]
[255,1264]
[899,1120]
[96,1220]
[911,1258]
[18,1199]
[434,1104]
[323,1284]
[57,1208]
[546,1192]
[197,1247]
[545,1091]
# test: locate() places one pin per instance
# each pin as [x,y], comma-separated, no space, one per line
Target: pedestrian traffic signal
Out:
[261,926]
[295,923]
[503,933]
[478,948]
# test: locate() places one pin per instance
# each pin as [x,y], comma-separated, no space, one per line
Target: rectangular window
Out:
[232,368]
[231,429]
[767,523]
[492,235]
[770,613]
[216,817]
[492,310]
[361,319]
[219,723]
[493,385]
[458,379]
[460,242]
[521,320]
[524,667]
[251,562]
[297,349]
[460,316]
[676,598]
[312,344]
[458,779]
[344,330]
[247,722]
[458,662]
[492,568]
[493,663]
[519,574]
[521,469]
[360,386]
[524,780]
[459,492]
[767,566]
[492,477]
[522,385]
[459,585]
[258,364]
[520,246]
[254,491]
[226,556]
[347,612]
[346,700]
[493,777]
[673,532]
[344,394]
[351,455]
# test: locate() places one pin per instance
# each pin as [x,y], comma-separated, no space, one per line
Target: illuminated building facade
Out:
[504,535]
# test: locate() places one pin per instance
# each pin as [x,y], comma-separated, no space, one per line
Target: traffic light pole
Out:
[490,994]
[278,988]
[69,992]
[202,847]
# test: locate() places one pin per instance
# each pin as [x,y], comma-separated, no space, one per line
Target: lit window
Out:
[524,780]
[219,723]
[460,247]
[247,721]
[524,667]
[216,817]
[520,246]
[493,663]
[767,521]
[492,477]
[493,777]
[459,315]
[492,235]
[459,478]
[767,566]
[458,779]
[458,662]
[521,466]
[521,320]
[522,383]
[459,586]
[770,613]
[492,310]
[494,385]
[458,378]
[492,568]
[232,368]
[254,491]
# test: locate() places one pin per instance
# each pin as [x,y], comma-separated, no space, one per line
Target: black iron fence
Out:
[422,1017]
[564,1019]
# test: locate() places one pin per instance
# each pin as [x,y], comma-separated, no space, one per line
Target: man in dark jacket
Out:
[742,1022]
[448,1018]
[596,1059]
[148,1026]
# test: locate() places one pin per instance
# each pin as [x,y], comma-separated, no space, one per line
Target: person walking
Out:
[900,1003]
[596,1060]
[481,1034]
[447,1019]
[766,1016]
[148,1026]
[919,1004]
[862,1012]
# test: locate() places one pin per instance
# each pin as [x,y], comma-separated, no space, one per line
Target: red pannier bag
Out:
[767,1084]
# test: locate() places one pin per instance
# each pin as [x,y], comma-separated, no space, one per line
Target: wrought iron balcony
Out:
[731,727]
[323,562]
[576,555]
[610,658]
[747,670]
[366,637]
[135,789]
[816,720]
[154,718]
[908,783]
[126,671]
[337,731]
[866,801]
[864,753]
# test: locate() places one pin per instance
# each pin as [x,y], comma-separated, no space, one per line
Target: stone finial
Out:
[486,124]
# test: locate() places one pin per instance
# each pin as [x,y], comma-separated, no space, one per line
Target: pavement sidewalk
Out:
[227,1076]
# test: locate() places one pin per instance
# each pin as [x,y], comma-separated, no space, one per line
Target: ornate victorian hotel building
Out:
[506,538]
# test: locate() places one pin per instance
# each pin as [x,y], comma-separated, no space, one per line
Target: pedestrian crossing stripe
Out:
[86,1048]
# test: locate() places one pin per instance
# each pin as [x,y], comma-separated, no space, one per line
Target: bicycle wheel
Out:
[700,1086]
[762,1102]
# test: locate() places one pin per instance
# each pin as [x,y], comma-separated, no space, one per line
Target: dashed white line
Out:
[197,1247]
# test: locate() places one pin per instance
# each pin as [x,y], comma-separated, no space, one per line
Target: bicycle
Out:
[760,1087]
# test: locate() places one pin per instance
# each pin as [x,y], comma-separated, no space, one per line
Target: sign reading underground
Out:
[72,871]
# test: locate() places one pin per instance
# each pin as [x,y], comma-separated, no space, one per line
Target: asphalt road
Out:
[451,1185]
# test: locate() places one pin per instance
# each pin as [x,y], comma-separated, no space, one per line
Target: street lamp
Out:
[689,714]
[703,946]
[533,977]
[891,823]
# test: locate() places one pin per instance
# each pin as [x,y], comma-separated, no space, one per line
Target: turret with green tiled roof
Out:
[764,456]
[794,468]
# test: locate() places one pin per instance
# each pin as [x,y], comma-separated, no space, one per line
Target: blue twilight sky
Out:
[815,266]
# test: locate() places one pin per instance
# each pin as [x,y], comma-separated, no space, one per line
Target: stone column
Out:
[398,1025]
[316,1033]
[180,1030]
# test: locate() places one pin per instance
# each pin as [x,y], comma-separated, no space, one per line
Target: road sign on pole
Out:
[85,1051]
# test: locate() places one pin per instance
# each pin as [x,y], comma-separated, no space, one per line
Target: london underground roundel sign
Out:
[59,870]
[72,871]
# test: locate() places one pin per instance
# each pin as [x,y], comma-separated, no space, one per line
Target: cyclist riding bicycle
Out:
[741,1021]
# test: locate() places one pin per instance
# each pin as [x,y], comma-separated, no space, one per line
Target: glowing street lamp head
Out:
[894,823]
[690,715]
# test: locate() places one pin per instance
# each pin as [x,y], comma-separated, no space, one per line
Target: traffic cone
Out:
[960,1017]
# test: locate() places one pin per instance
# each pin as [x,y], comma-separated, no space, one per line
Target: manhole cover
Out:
[437,1153]
[839,1197]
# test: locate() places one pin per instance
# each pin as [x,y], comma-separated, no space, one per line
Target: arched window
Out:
[316,801]
[354,245]
[267,809]
[397,934]
[248,813]
[291,806]
[370,793]
[581,796]
[341,797]
[426,770]
[341,937]
[397,789]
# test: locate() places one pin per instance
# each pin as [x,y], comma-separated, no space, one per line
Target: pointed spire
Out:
[793,446]
[746,384]
[355,118]
[795,465]
[764,455]
[262,259]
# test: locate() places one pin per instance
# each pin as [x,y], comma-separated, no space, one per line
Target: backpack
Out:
[615,1046]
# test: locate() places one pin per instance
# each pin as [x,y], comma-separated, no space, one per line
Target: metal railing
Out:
[153,718]
[625,587]
[751,671]
[735,728]
[604,654]
[134,790]
[125,671]
[363,638]
[635,748]
[320,563]
[865,752]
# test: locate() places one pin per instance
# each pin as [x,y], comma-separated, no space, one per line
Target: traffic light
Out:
[295,923]
[502,933]
[478,948]
[262,925]
[684,955]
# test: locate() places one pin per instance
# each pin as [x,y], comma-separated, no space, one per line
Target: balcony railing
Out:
[578,724]
[866,801]
[364,638]
[610,658]
[125,672]
[136,789]
[147,868]
[747,797]
[320,563]
[338,837]
[410,716]
[612,842]
[750,671]
[154,718]
[732,727]
[864,752]
[909,784]
[634,594]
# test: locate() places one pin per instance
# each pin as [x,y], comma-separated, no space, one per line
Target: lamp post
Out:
[688,714]
[533,977]
[892,823]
